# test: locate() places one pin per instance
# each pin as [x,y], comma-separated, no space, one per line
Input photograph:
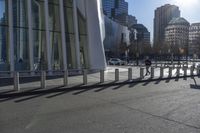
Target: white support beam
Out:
[77,43]
[48,47]
[10,29]
[62,23]
[30,35]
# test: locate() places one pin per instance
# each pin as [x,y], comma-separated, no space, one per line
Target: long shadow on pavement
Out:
[103,88]
[157,82]
[61,90]
[168,80]
[148,82]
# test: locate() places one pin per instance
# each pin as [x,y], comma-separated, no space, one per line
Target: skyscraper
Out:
[177,36]
[116,10]
[162,17]
[143,35]
[131,20]
[194,39]
[108,6]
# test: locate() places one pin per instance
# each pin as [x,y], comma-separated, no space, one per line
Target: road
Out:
[171,106]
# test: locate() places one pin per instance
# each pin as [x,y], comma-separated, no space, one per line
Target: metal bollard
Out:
[101,76]
[43,79]
[152,72]
[116,74]
[65,79]
[170,72]
[185,71]
[85,77]
[16,81]
[141,73]
[161,72]
[130,74]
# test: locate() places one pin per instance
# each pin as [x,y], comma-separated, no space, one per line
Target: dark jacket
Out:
[147,62]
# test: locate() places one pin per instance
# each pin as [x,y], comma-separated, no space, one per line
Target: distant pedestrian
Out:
[148,65]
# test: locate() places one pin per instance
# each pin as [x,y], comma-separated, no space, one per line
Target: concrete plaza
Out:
[168,106]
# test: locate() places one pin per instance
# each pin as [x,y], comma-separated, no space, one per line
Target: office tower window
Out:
[20,34]
[39,36]
[4,43]
[82,26]
[55,36]
[70,37]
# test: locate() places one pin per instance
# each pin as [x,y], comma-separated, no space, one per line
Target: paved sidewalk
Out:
[170,106]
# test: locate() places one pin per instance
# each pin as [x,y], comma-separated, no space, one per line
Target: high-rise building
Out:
[116,10]
[177,36]
[194,39]
[143,35]
[140,41]
[108,7]
[3,38]
[163,15]
[131,20]
[51,35]
[116,39]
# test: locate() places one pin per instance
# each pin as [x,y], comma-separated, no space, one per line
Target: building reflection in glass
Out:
[4,45]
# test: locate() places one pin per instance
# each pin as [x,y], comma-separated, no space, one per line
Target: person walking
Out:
[148,65]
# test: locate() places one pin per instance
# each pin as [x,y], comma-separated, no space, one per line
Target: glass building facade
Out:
[43,35]
[4,43]
[117,10]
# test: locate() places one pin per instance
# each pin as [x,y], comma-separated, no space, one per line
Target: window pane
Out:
[68,3]
[71,51]
[84,51]
[81,24]
[3,12]
[39,43]
[54,18]
[69,24]
[83,41]
[4,49]
[56,45]
[21,49]
[54,1]
[20,13]
[38,14]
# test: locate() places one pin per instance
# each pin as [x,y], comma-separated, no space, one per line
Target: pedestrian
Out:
[148,65]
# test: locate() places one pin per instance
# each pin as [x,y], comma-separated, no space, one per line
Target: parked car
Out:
[116,61]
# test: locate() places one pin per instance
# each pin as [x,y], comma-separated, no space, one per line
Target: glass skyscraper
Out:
[117,10]
[49,35]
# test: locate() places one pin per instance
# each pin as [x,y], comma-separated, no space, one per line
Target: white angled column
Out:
[30,35]
[62,23]
[11,42]
[48,47]
[77,43]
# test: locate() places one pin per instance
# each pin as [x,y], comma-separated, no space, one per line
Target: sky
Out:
[144,10]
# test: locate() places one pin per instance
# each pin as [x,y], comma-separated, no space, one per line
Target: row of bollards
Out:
[102,75]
